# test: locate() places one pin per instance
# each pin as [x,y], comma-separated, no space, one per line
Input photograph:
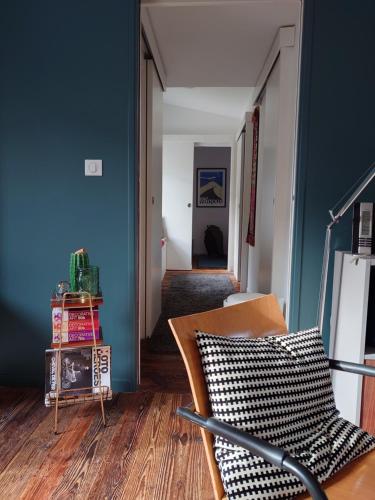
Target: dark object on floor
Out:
[210,262]
[188,294]
[213,240]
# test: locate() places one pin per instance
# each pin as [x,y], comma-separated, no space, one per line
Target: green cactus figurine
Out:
[78,259]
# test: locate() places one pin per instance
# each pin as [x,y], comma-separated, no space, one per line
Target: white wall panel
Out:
[154,197]
[268,144]
[178,163]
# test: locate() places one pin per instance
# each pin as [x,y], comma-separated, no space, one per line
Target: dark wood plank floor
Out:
[162,372]
[145,452]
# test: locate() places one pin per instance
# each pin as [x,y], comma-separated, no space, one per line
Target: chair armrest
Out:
[270,453]
[346,366]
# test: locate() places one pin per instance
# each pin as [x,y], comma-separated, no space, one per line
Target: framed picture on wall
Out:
[211,187]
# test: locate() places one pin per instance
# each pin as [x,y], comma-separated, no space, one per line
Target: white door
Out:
[232,207]
[154,197]
[241,216]
[178,169]
[268,142]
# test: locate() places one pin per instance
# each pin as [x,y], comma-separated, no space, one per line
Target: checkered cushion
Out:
[277,388]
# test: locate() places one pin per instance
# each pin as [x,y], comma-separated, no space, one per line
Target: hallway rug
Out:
[188,294]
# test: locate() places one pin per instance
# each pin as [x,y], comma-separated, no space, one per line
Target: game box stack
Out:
[75,318]
[77,326]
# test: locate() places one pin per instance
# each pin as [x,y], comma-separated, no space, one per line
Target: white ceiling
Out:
[217,45]
[205,110]
[179,120]
[228,102]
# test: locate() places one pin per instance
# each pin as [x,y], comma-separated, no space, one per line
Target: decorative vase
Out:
[88,280]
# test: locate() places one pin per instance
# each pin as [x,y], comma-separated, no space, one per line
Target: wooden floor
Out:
[145,452]
[162,372]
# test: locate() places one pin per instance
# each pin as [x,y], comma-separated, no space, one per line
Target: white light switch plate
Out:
[93,167]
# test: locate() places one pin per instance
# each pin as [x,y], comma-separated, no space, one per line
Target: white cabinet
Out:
[350,305]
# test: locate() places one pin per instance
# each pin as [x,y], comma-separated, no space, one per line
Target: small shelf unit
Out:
[65,397]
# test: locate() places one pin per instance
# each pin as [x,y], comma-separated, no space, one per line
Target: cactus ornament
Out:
[78,259]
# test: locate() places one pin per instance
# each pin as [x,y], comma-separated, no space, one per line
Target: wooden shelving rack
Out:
[64,397]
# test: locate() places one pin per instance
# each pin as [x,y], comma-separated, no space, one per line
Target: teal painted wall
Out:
[68,91]
[336,137]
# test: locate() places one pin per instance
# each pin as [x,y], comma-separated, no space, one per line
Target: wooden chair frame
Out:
[258,318]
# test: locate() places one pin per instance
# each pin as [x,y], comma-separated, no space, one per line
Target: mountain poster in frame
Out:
[211,187]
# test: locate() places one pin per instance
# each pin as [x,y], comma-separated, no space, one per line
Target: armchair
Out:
[259,318]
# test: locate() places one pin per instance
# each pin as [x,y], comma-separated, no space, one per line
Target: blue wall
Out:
[68,91]
[336,136]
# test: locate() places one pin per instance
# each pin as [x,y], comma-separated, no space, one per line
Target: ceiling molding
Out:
[246,119]
[153,46]
[284,38]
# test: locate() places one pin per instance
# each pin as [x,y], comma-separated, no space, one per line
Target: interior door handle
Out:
[189,205]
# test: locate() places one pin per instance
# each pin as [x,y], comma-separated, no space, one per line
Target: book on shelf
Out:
[76,325]
[83,336]
[78,373]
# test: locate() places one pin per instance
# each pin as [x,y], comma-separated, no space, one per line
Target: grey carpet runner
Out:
[188,294]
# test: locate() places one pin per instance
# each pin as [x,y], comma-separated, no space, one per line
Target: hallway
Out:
[188,292]
[163,370]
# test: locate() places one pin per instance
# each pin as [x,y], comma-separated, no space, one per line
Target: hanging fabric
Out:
[253,183]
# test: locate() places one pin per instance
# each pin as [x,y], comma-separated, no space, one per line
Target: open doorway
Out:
[196,182]
[200,125]
[206,56]
[211,207]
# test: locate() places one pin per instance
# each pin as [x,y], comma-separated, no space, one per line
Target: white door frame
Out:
[235,209]
[205,140]
[231,193]
[142,198]
[146,305]
[245,202]
[240,202]
[148,34]
[287,44]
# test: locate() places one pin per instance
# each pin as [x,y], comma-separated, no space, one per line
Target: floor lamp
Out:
[336,213]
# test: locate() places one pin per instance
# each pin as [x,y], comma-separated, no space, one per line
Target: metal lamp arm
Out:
[335,218]
[347,366]
[363,185]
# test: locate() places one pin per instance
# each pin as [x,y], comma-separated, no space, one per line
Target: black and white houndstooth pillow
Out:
[277,388]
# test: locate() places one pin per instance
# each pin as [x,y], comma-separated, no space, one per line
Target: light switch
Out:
[93,167]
